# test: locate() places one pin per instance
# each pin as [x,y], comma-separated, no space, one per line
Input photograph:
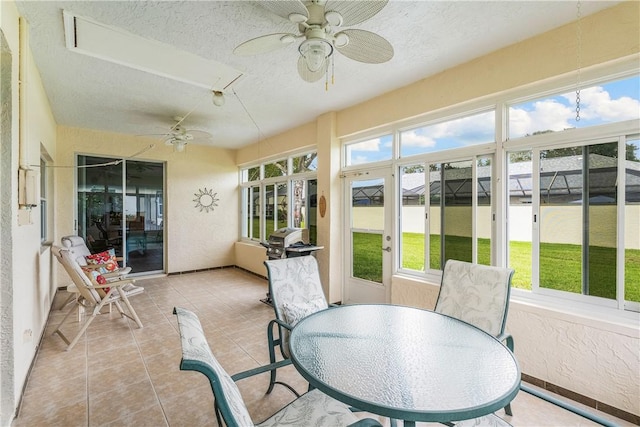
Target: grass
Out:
[560,264]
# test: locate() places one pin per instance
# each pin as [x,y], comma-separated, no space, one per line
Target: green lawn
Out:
[560,264]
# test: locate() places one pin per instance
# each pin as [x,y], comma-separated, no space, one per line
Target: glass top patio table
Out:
[404,363]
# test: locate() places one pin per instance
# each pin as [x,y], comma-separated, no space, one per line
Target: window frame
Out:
[246,234]
[600,74]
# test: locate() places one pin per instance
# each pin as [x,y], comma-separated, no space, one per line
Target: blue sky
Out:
[606,103]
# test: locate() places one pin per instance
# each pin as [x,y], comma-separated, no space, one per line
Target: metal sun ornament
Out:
[206,200]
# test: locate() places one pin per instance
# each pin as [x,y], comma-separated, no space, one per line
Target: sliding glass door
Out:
[120,206]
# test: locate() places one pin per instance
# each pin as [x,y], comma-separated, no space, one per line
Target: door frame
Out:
[353,288]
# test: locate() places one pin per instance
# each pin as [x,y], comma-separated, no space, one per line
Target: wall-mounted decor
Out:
[206,200]
[322,205]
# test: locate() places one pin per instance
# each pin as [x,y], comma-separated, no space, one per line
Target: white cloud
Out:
[370,145]
[479,127]
[412,139]
[553,114]
[596,103]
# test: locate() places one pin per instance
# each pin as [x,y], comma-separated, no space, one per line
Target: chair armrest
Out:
[95,266]
[113,284]
[507,339]
[260,370]
[366,422]
[281,323]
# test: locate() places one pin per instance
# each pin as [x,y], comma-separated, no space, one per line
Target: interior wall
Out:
[7,399]
[195,239]
[609,35]
[26,286]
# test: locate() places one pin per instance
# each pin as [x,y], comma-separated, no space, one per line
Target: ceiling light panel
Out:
[112,44]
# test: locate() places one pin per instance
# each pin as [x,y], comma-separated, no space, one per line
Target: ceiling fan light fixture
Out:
[179,145]
[218,98]
[315,52]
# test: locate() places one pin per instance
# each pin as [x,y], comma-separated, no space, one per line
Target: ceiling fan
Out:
[179,136]
[320,24]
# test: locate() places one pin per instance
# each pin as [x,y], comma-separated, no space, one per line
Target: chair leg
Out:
[133,313]
[272,355]
[507,410]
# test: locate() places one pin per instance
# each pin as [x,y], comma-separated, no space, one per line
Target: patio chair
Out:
[479,295]
[94,293]
[109,271]
[312,409]
[78,245]
[296,292]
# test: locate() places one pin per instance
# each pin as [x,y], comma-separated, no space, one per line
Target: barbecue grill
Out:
[288,242]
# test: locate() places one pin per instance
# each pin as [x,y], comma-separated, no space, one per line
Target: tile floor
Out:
[119,375]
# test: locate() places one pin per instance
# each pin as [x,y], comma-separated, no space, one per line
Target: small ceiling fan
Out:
[320,24]
[179,136]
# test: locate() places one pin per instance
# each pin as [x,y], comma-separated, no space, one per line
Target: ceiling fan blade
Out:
[311,76]
[263,44]
[355,12]
[285,8]
[365,46]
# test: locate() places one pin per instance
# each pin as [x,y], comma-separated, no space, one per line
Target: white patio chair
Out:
[311,409]
[296,292]
[93,296]
[479,295]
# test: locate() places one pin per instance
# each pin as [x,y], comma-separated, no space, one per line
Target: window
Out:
[44,217]
[566,213]
[572,199]
[455,221]
[609,102]
[369,151]
[452,133]
[284,197]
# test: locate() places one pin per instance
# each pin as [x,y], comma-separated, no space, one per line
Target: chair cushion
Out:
[312,409]
[95,277]
[294,312]
[106,258]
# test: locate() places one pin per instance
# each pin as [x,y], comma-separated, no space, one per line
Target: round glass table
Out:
[404,363]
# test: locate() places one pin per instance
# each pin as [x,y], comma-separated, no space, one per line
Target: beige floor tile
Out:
[120,375]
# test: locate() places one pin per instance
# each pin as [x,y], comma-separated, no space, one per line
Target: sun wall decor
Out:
[206,200]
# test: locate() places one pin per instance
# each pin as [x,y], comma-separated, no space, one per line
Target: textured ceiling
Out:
[427,36]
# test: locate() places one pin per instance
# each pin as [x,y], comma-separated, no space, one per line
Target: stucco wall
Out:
[194,239]
[27,291]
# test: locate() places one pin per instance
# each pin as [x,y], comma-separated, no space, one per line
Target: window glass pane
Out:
[310,216]
[632,222]
[412,218]
[520,215]
[253,174]
[605,103]
[470,130]
[270,208]
[578,219]
[43,200]
[435,197]
[282,205]
[306,163]
[275,169]
[371,150]
[255,213]
[457,216]
[367,205]
[484,212]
